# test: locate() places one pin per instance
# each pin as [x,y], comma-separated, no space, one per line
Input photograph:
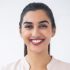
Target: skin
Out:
[36,24]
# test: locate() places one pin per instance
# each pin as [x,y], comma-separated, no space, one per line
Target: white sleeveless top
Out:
[54,64]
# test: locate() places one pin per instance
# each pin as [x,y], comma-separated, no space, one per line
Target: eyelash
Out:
[43,26]
[30,26]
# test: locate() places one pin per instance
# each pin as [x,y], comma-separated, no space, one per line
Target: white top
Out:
[54,64]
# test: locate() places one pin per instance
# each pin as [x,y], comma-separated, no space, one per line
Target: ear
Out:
[53,31]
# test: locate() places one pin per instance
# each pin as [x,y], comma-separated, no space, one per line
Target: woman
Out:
[37,27]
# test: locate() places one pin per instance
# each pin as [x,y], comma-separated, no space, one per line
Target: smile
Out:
[36,41]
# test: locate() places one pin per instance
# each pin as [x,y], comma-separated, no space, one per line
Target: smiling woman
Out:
[29,11]
[37,27]
[38,31]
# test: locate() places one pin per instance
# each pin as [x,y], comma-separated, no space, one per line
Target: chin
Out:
[37,51]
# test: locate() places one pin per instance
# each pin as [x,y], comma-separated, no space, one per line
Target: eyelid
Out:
[43,25]
[28,26]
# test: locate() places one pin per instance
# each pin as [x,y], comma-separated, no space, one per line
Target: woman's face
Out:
[36,31]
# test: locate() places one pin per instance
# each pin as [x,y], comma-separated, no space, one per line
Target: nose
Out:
[36,32]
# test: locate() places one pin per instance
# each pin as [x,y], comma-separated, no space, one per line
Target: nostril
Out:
[36,35]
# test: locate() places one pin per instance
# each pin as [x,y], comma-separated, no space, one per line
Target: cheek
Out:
[47,33]
[25,34]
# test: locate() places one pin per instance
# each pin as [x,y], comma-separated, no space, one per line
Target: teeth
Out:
[36,41]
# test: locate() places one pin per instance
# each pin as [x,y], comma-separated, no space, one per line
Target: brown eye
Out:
[28,26]
[43,26]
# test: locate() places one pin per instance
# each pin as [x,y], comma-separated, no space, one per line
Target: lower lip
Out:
[37,43]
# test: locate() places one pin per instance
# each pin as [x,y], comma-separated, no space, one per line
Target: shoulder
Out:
[12,66]
[61,65]
[20,64]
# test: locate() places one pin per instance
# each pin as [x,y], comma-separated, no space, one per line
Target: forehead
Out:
[35,16]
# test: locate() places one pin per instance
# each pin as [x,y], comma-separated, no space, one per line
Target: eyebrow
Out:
[44,21]
[27,22]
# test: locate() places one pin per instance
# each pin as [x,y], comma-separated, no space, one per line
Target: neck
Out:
[38,59]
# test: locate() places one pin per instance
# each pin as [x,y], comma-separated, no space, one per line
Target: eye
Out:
[43,26]
[28,26]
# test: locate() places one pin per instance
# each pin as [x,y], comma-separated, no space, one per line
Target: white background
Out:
[11,44]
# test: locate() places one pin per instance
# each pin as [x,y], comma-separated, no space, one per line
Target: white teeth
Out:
[36,41]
